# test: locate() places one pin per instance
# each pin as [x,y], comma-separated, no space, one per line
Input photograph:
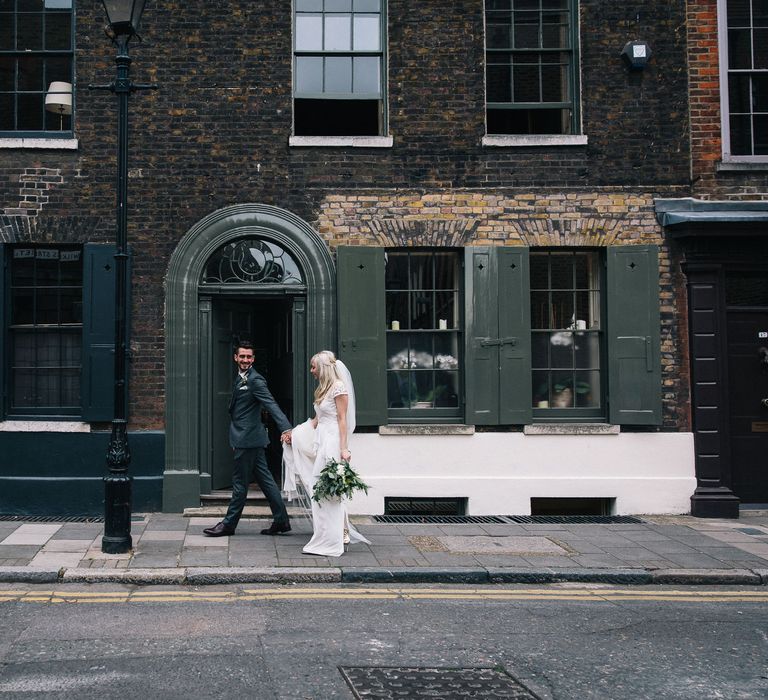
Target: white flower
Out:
[340,470]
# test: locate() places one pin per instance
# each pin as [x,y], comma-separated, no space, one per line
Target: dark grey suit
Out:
[248,438]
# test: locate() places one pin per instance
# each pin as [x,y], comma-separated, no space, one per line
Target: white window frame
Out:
[725,124]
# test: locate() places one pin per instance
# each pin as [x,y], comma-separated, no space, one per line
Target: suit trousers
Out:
[246,460]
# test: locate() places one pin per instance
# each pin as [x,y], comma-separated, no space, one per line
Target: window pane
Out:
[587,385]
[58,34]
[525,80]
[554,31]
[420,355]
[397,351]
[366,75]
[540,387]
[738,13]
[338,74]
[338,5]
[499,34]
[446,390]
[309,74]
[71,305]
[366,30]
[761,134]
[526,30]
[6,112]
[561,349]
[421,271]
[741,135]
[760,13]
[30,112]
[396,271]
[22,306]
[759,93]
[446,310]
[367,5]
[499,83]
[397,310]
[422,310]
[587,350]
[31,73]
[398,390]
[29,31]
[562,390]
[554,84]
[739,48]
[309,32]
[761,48]
[446,351]
[540,310]
[561,271]
[539,350]
[7,33]
[309,5]
[338,32]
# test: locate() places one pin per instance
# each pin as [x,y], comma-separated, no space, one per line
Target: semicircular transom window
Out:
[252,261]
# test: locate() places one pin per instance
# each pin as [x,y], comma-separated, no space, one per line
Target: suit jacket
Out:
[248,398]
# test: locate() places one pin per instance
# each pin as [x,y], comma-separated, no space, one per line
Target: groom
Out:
[248,438]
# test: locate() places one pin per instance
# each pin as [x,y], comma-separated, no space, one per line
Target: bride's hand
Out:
[346,455]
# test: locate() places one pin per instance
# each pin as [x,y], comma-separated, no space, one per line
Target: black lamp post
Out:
[123,17]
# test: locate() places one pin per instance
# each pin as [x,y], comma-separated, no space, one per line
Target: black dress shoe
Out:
[219,530]
[277,529]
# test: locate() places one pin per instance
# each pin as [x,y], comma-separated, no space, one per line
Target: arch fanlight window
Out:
[252,261]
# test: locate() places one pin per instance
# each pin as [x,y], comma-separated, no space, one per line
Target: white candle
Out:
[395,325]
[443,324]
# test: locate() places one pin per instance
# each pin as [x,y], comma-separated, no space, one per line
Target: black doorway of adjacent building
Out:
[747,330]
[268,323]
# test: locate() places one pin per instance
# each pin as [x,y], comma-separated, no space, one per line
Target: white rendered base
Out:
[500,472]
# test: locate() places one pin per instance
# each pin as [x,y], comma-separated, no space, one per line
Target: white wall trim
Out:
[342,141]
[49,144]
[499,473]
[41,426]
[522,140]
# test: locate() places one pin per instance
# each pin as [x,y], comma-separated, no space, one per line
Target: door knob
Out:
[764,402]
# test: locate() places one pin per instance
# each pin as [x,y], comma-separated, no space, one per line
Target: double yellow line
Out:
[386,593]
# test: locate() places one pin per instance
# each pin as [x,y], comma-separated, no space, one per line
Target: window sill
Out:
[571,429]
[49,144]
[44,426]
[426,429]
[737,166]
[534,140]
[341,141]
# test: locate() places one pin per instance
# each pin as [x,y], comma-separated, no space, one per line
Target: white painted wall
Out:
[500,472]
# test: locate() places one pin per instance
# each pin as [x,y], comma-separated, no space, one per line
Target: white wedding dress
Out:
[305,458]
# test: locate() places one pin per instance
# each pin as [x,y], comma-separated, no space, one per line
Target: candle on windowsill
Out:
[443,324]
[395,325]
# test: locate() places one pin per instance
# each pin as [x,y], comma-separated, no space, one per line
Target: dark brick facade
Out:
[216,133]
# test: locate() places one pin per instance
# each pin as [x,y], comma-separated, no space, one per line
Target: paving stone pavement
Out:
[672,549]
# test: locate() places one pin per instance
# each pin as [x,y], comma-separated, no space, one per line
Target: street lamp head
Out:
[124,16]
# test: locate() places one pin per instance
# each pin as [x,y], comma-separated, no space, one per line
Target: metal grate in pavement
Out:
[382,683]
[51,519]
[438,519]
[529,519]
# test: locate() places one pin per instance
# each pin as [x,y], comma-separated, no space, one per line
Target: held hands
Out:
[285,438]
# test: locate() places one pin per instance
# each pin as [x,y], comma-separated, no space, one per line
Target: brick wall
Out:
[216,133]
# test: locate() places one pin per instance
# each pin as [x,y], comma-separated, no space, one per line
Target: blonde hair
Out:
[327,376]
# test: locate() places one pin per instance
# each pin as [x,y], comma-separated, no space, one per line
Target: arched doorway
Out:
[219,286]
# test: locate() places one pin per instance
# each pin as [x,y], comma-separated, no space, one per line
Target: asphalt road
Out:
[250,641]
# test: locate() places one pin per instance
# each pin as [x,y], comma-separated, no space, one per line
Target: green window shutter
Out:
[4,378]
[97,386]
[482,331]
[362,328]
[514,309]
[634,363]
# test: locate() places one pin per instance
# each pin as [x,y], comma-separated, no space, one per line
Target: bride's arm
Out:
[342,403]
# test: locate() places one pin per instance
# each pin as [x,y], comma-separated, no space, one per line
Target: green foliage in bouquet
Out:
[337,480]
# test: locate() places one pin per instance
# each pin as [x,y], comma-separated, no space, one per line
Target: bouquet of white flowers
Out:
[336,480]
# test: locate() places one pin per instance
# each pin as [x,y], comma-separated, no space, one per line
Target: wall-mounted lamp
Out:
[58,99]
[636,54]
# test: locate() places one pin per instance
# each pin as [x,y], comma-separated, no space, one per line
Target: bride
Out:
[314,442]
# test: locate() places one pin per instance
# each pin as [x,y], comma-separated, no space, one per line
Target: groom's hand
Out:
[285,438]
